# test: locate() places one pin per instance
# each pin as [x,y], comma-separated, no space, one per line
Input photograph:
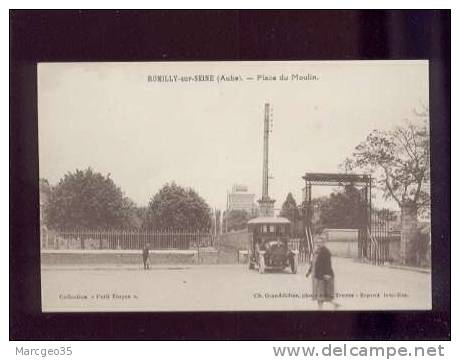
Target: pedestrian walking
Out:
[145,257]
[322,274]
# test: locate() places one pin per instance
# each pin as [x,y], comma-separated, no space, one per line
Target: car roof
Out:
[268,220]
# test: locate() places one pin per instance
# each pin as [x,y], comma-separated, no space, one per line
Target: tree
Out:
[216,222]
[316,205]
[290,210]
[399,161]
[87,199]
[139,216]
[174,207]
[343,209]
[236,220]
[45,191]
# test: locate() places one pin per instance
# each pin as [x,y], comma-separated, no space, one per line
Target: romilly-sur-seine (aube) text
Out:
[221,78]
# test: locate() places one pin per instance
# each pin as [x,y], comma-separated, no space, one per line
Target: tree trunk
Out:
[408,251]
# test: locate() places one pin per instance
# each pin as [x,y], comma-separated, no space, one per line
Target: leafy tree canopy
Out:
[178,208]
[87,199]
[399,160]
[236,220]
[290,210]
[342,210]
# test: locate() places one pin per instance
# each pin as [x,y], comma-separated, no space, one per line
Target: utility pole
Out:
[266,204]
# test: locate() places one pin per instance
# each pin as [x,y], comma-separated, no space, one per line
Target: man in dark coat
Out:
[145,257]
[322,274]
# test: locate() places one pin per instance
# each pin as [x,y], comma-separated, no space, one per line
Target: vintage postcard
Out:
[234,186]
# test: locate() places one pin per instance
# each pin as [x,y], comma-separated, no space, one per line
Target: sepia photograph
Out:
[234,186]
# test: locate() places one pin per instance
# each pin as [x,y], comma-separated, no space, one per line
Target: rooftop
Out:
[269,220]
[336,178]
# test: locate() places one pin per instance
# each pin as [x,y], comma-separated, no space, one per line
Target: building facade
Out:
[240,199]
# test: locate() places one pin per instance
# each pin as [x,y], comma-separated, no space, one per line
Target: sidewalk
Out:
[134,267]
[118,251]
[426,270]
[140,266]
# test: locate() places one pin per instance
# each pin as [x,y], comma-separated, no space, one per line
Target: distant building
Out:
[240,199]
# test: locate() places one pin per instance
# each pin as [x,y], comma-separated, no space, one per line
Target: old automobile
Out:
[269,245]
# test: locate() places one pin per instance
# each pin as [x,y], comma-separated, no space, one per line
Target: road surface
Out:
[228,288]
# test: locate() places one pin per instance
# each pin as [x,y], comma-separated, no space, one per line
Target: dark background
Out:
[218,35]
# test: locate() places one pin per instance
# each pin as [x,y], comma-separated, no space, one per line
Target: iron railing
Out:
[125,239]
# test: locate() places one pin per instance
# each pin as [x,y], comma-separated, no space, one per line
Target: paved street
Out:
[228,287]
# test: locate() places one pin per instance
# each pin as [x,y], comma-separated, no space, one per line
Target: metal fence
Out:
[129,239]
[375,242]
[302,246]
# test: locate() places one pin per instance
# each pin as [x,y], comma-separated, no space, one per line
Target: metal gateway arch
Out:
[369,247]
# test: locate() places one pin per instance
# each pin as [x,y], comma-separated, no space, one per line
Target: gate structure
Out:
[369,246]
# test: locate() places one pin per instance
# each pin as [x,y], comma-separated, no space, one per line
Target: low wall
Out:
[230,244]
[127,257]
[234,239]
[348,249]
[341,234]
[342,242]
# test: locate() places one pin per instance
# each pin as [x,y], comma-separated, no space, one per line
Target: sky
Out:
[208,135]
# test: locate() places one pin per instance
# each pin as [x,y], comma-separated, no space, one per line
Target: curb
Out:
[408,268]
